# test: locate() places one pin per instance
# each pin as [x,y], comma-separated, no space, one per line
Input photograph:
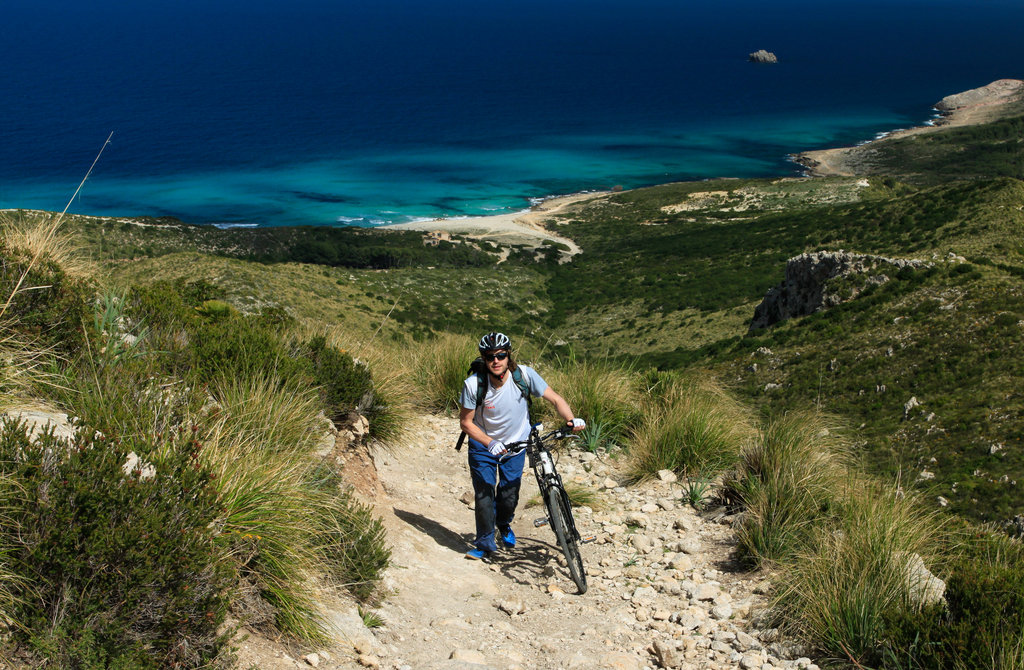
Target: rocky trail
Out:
[664,590]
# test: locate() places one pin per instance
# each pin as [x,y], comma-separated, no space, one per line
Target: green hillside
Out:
[215,357]
[670,277]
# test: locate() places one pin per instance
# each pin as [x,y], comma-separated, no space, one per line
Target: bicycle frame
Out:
[540,459]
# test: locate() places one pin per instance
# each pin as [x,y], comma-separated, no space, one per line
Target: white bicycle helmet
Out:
[493,341]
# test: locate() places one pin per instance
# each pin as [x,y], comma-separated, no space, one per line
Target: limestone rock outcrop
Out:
[810,284]
[762,56]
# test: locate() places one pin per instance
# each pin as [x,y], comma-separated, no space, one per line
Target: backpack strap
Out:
[524,388]
[481,391]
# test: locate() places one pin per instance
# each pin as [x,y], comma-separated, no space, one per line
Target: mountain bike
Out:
[556,500]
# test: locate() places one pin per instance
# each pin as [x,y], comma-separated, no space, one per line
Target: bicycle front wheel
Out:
[560,511]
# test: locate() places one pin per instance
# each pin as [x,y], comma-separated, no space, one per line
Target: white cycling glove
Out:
[496,448]
[578,424]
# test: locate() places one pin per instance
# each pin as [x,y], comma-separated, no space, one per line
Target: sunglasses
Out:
[500,356]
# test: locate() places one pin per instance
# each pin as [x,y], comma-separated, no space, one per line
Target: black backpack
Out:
[479,368]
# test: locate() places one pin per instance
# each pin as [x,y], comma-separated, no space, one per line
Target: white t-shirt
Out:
[503,414]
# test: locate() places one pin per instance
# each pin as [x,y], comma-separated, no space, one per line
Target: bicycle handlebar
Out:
[558,434]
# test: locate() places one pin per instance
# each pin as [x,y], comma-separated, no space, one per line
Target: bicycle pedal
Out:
[587,539]
[537,523]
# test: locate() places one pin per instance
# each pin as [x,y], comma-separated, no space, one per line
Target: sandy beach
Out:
[526,227]
[978,105]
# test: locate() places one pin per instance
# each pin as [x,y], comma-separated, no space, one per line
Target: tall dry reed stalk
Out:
[44,238]
[34,237]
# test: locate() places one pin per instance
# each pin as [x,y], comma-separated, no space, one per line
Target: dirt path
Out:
[664,590]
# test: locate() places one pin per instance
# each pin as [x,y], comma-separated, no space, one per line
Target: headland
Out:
[973,107]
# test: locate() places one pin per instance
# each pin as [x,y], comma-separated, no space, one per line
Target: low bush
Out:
[981,626]
[343,384]
[285,525]
[114,567]
[235,347]
[171,303]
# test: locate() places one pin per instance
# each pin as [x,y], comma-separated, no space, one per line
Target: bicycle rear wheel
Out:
[559,511]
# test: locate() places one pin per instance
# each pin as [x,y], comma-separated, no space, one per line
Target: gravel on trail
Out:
[664,588]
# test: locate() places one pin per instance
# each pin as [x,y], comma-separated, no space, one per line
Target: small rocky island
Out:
[762,56]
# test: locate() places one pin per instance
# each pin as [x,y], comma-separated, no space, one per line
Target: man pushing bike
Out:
[495,411]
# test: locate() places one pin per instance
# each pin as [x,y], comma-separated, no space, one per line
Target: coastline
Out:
[523,227]
[971,107]
[968,108]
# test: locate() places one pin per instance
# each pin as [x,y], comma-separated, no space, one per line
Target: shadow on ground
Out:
[445,537]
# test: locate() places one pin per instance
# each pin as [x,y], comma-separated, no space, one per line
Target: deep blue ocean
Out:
[370,111]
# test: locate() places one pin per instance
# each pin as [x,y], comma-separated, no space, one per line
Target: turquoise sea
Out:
[341,112]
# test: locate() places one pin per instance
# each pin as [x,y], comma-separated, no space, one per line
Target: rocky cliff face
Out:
[810,284]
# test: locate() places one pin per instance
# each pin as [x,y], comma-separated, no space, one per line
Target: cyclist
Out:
[502,417]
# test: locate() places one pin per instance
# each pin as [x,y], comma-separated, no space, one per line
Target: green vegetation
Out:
[982,624]
[209,354]
[108,568]
[788,481]
[969,152]
[691,428]
[189,487]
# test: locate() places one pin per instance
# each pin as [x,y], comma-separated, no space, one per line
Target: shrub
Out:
[982,624]
[171,303]
[216,309]
[236,347]
[22,368]
[115,569]
[390,410]
[693,429]
[344,384]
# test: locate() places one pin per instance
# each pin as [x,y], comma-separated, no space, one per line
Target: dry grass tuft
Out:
[852,575]
[693,427]
[439,368]
[38,234]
